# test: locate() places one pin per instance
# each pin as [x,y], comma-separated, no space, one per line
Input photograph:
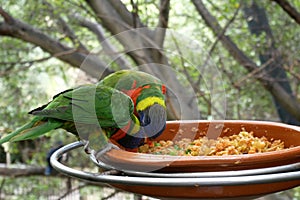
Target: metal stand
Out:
[286,176]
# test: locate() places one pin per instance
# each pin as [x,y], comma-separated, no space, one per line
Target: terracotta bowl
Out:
[176,130]
[235,192]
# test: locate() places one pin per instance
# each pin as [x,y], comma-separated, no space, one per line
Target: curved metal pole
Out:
[168,181]
[269,170]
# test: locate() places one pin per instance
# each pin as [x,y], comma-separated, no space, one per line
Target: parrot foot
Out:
[108,147]
[99,153]
[86,147]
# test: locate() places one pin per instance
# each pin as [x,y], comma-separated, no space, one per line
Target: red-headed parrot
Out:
[127,107]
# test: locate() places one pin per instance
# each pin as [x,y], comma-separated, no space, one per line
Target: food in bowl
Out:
[242,143]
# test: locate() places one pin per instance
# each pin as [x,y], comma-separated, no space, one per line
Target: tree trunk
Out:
[258,24]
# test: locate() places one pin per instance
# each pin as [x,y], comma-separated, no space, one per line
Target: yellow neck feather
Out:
[149,101]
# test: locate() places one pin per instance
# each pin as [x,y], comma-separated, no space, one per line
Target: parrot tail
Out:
[31,130]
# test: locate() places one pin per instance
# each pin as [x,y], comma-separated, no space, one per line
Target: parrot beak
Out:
[153,120]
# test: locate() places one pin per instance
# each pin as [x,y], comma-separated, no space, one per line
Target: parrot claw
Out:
[86,147]
[107,148]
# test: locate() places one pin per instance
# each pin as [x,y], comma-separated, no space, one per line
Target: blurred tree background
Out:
[227,59]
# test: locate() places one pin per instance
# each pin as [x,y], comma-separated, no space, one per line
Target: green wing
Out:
[90,104]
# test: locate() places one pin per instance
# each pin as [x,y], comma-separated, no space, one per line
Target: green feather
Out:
[30,130]
[126,79]
[37,131]
[90,104]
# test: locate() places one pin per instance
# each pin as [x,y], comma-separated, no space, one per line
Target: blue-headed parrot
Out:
[125,107]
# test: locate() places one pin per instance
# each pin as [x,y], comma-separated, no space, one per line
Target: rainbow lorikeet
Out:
[126,107]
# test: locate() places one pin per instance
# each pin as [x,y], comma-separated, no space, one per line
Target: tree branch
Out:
[7,18]
[160,31]
[119,21]
[90,64]
[116,18]
[289,9]
[212,22]
[109,49]
[220,34]
[27,64]
[238,83]
[194,85]
[65,27]
[20,170]
[164,9]
[134,12]
[132,20]
[286,100]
